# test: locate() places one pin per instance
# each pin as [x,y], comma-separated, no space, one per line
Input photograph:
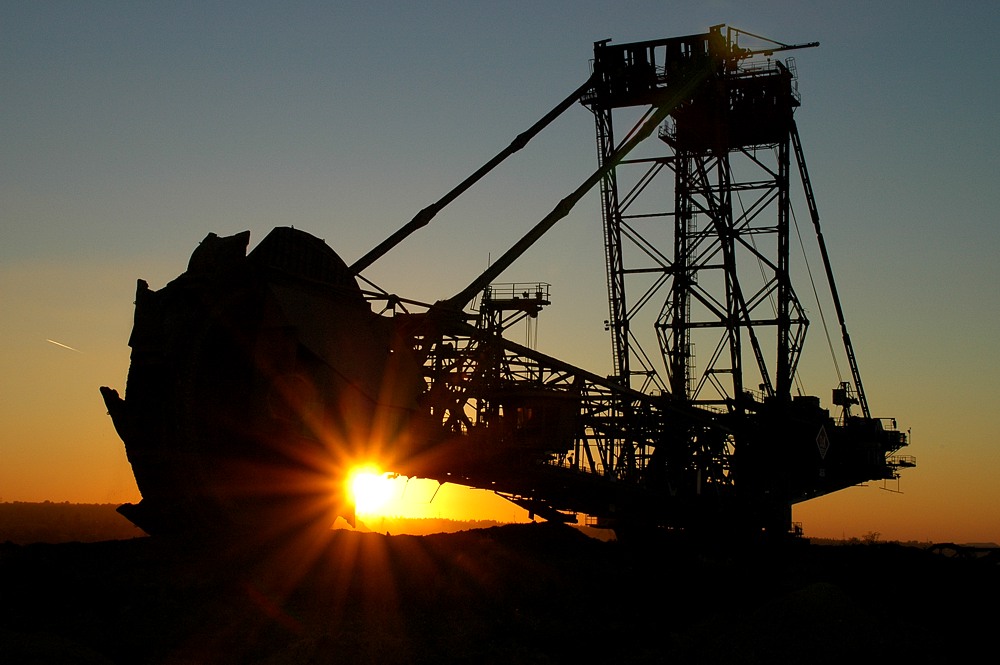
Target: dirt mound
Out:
[535,593]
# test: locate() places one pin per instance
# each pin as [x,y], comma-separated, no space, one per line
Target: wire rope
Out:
[819,305]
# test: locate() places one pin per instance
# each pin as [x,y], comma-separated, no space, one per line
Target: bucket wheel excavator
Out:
[258,378]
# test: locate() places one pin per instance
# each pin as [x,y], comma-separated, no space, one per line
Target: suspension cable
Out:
[819,305]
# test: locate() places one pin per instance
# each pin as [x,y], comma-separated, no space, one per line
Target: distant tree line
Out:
[25,523]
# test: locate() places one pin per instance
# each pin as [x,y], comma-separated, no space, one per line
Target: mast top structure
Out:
[635,73]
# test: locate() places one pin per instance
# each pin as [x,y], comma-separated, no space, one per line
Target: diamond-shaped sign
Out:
[822,442]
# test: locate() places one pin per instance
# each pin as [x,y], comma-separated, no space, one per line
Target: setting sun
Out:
[370,489]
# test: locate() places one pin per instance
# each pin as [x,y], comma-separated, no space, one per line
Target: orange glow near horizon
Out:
[376,493]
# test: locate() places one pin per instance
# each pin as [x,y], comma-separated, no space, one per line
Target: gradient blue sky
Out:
[130,130]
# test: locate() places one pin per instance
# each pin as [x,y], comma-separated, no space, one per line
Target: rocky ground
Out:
[531,593]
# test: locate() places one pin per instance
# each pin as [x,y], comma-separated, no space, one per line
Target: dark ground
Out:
[534,593]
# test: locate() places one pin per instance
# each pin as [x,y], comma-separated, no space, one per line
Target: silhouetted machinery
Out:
[258,379]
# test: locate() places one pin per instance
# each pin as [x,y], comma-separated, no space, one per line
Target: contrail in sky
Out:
[52,341]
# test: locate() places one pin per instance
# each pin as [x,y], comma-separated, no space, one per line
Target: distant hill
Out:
[24,523]
[425,526]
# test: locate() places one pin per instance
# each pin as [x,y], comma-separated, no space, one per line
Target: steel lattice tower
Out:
[697,230]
